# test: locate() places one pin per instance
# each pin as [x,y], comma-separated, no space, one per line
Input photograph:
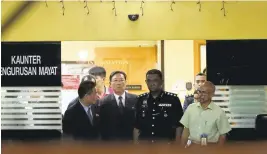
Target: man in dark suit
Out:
[98,75]
[117,111]
[85,78]
[80,121]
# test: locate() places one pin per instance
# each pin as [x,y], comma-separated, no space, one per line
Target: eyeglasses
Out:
[116,81]
[201,92]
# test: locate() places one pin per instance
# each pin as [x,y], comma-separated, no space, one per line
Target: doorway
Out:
[199,56]
[134,61]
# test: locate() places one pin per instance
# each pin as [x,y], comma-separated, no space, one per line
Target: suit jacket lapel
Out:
[127,100]
[80,107]
[83,112]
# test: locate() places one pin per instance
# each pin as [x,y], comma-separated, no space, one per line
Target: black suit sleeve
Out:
[137,114]
[67,123]
[103,121]
[178,112]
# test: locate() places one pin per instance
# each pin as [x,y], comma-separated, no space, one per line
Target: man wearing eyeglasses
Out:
[117,111]
[96,74]
[80,120]
[85,78]
[204,122]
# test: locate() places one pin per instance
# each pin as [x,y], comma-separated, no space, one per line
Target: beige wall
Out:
[159,55]
[179,65]
[70,49]
[179,60]
[203,57]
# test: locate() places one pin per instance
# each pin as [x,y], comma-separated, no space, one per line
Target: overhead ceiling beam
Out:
[16,15]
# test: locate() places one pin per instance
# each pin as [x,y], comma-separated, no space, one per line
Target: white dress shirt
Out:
[117,99]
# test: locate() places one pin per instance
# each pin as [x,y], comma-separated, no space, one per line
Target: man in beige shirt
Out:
[205,118]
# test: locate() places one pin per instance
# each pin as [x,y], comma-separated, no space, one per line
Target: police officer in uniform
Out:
[200,79]
[158,112]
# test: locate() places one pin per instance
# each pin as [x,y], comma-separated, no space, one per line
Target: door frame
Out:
[197,56]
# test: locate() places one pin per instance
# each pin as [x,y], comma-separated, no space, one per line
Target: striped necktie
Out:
[121,107]
[90,115]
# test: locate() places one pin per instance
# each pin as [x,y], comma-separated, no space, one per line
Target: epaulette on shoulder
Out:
[142,95]
[170,94]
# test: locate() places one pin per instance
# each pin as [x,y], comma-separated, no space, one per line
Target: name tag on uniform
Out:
[165,105]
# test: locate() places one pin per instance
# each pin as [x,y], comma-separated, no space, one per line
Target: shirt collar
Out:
[210,106]
[85,107]
[117,96]
[108,90]
[158,97]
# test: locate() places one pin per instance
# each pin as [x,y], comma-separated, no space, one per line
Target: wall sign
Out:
[133,87]
[71,82]
[31,64]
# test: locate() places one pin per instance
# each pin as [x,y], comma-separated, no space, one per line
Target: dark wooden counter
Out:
[74,147]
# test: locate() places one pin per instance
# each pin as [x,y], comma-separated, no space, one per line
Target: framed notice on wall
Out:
[31,64]
[70,82]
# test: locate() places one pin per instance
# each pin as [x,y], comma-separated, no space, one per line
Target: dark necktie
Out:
[90,114]
[121,105]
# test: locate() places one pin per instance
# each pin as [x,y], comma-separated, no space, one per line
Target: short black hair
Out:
[85,88]
[89,78]
[155,71]
[201,74]
[98,71]
[117,72]
[205,71]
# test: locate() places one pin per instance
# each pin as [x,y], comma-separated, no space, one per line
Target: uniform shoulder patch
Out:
[170,94]
[142,95]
